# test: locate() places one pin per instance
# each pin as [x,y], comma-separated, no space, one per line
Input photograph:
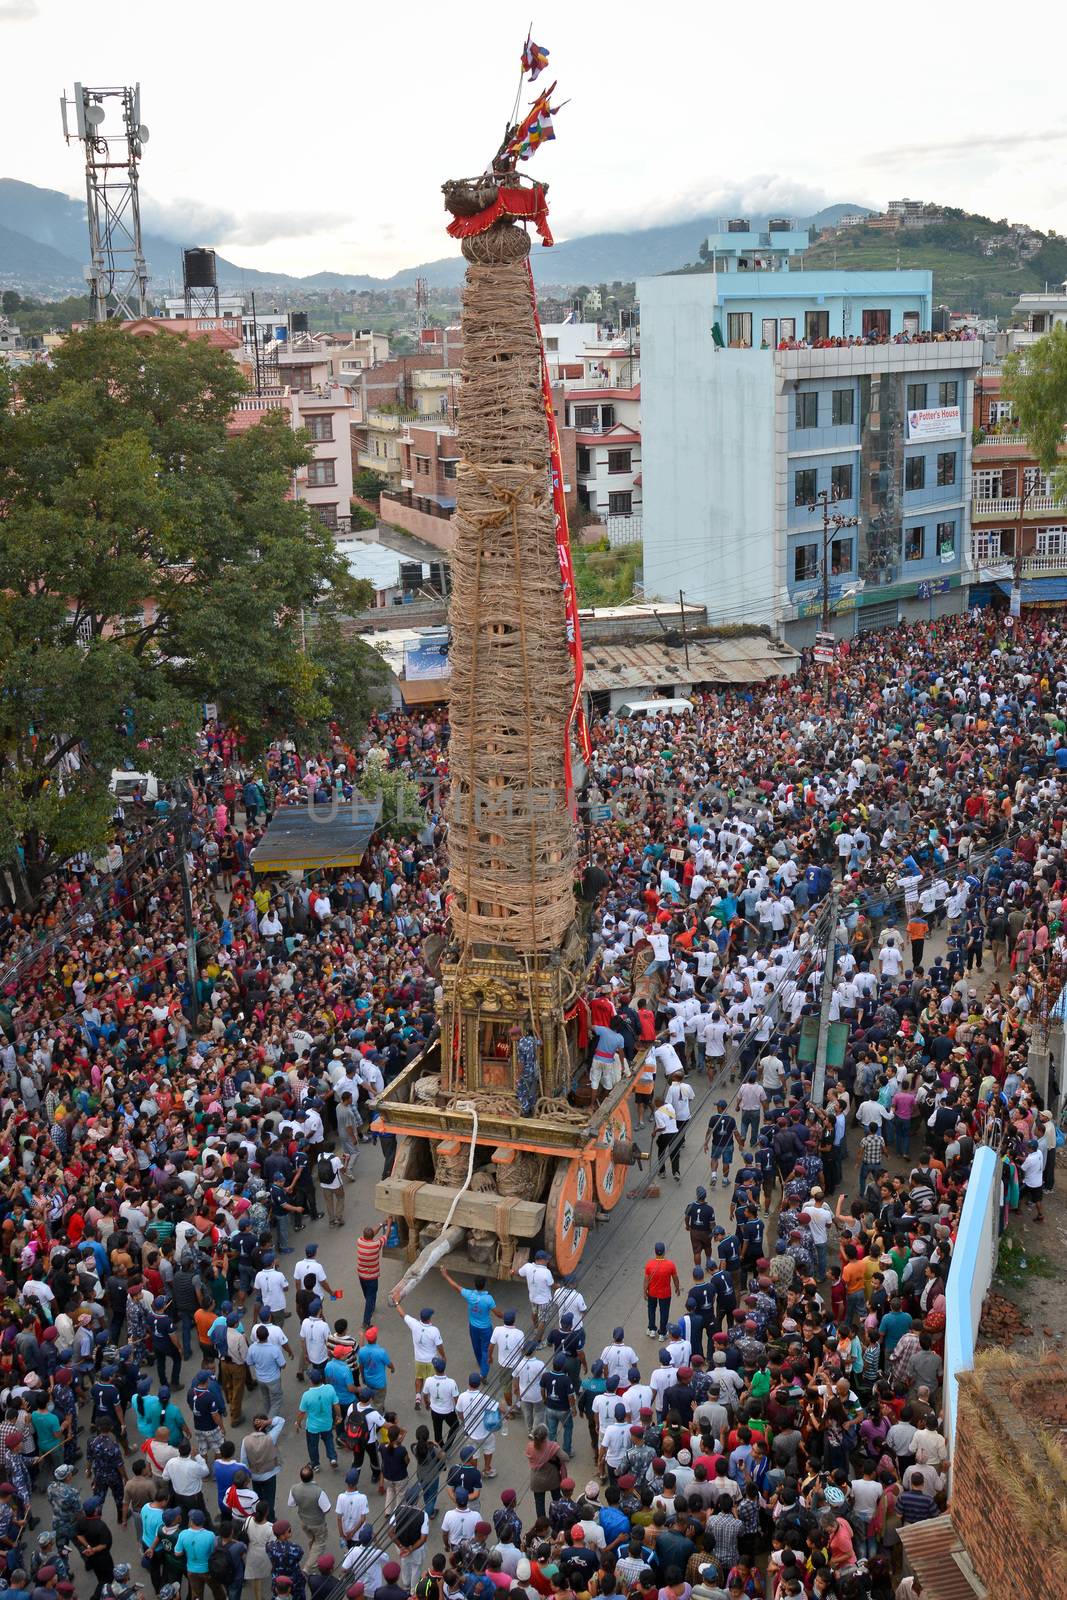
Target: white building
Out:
[607,435]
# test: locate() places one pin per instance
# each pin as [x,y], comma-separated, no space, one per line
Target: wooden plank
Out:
[433,1202]
[523,1132]
[406,1131]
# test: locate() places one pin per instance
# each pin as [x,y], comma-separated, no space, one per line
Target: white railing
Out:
[1002,441]
[1036,505]
[1032,566]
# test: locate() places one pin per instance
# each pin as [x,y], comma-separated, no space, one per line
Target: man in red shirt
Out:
[661,1277]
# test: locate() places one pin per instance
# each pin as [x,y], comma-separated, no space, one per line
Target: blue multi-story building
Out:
[750,412]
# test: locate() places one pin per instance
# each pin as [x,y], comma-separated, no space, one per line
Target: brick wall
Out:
[1008,1414]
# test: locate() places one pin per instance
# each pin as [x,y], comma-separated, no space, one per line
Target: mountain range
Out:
[44,243]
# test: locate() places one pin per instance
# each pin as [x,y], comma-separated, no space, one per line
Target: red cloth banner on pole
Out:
[527,205]
[576,717]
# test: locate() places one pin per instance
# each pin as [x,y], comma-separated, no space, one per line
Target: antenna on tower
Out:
[116,274]
[422,303]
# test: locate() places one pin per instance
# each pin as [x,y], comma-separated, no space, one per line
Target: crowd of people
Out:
[164,1142]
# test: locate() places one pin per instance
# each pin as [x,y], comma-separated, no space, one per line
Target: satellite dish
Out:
[94,115]
[142,133]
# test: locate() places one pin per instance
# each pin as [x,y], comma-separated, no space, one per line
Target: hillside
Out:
[978,264]
[43,243]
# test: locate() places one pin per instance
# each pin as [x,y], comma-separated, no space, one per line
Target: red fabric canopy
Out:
[527,204]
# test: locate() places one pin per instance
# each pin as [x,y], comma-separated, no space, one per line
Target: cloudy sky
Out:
[317,136]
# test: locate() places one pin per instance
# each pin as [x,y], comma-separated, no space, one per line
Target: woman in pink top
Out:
[903,1106]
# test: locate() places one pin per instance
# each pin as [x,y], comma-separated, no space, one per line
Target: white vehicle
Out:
[125,785]
[655,708]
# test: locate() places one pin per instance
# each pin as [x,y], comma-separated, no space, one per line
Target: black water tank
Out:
[298,322]
[779,225]
[737,225]
[198,269]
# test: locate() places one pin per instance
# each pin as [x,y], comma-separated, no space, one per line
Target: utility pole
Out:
[818,1082]
[831,524]
[185,811]
[685,635]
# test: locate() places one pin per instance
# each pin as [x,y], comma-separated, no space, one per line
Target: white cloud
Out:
[18,10]
[762,194]
[194,221]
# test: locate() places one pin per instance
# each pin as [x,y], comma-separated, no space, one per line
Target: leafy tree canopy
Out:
[150,561]
[1035,380]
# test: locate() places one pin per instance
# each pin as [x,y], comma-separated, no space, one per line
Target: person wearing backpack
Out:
[329,1170]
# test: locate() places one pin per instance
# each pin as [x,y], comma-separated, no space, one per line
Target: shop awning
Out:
[308,838]
[1038,591]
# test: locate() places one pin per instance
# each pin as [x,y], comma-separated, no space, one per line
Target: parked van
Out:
[124,785]
[654,708]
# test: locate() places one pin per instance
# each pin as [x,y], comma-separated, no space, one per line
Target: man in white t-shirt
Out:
[352,1509]
[440,1392]
[505,1345]
[426,1343]
[539,1285]
[820,1221]
[471,1408]
[528,1391]
[661,953]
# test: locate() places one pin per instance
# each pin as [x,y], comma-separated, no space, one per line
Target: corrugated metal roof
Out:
[299,838]
[938,1557]
[728,661]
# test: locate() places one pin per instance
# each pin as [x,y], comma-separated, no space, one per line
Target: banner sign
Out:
[935,424]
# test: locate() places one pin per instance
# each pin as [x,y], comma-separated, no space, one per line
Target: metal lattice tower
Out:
[116,274]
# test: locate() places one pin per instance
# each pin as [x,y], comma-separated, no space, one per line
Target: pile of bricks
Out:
[1001,1321]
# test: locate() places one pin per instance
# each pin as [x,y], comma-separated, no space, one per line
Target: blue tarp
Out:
[1038,591]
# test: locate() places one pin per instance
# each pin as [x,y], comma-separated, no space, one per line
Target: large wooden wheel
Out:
[610,1176]
[572,1184]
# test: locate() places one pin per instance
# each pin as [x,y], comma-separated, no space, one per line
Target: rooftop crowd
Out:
[785,1419]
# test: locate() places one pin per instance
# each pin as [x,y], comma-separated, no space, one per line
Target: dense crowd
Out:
[161,1145]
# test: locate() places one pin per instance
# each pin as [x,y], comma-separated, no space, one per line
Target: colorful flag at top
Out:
[536,129]
[534,58]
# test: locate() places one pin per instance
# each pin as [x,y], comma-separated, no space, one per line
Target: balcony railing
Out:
[1033,566]
[1037,505]
[1002,441]
[404,497]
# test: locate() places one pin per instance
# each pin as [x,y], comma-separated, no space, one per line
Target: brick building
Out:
[1015,510]
[1005,1533]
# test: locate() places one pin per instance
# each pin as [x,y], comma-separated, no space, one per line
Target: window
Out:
[328,516]
[320,429]
[842,408]
[816,325]
[586,416]
[946,541]
[914,544]
[300,378]
[840,556]
[946,468]
[422,464]
[619,460]
[876,324]
[807,410]
[1001,411]
[841,482]
[788,326]
[804,486]
[321,474]
[914,472]
[551,344]
[805,563]
[916,397]
[607,417]
[986,547]
[987,484]
[769,332]
[620,503]
[448,469]
[1051,542]
[1036,482]
[739,330]
[911,323]
[948,393]
[584,459]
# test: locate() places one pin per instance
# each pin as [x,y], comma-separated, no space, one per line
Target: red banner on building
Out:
[576,717]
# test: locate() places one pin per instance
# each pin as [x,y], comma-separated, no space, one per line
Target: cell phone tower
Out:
[116,274]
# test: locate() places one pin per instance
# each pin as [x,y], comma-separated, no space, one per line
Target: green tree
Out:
[402,809]
[10,301]
[150,561]
[1035,381]
[368,485]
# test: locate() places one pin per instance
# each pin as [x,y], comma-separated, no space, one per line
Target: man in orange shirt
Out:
[854,1273]
[661,1277]
[918,931]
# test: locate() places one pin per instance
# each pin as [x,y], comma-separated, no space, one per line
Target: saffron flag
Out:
[534,58]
